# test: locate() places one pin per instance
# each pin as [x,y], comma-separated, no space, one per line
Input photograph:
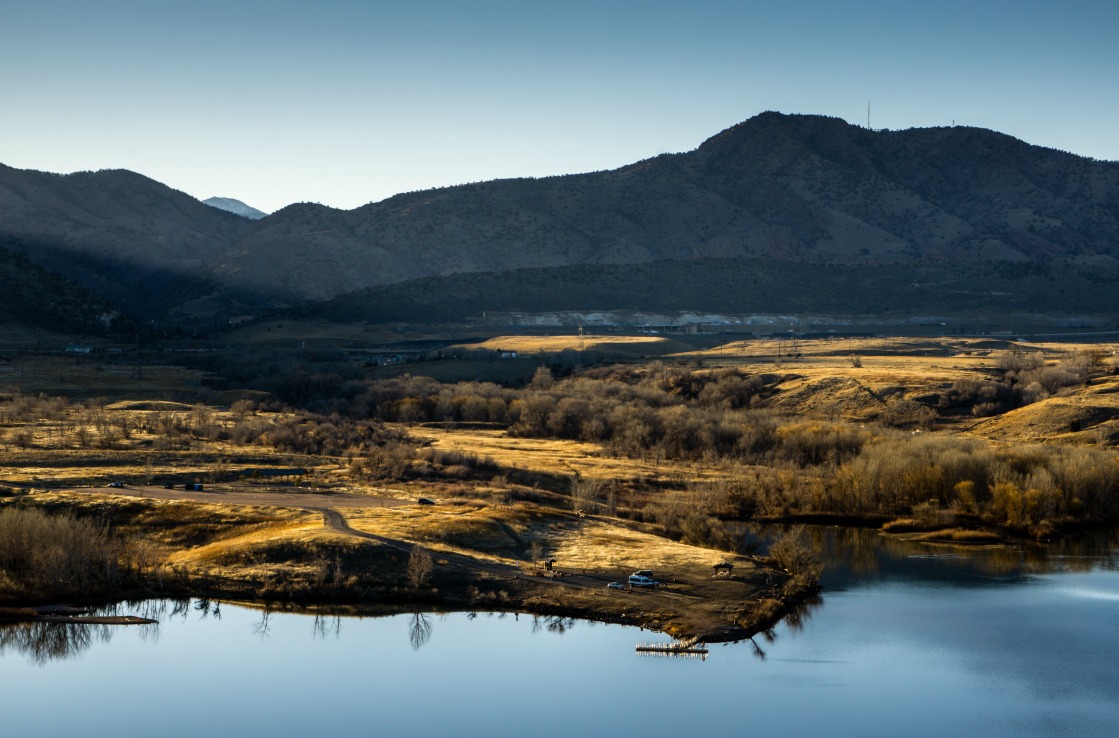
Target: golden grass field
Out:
[557,456]
[635,346]
[822,381]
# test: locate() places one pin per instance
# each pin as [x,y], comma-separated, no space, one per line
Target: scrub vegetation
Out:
[63,555]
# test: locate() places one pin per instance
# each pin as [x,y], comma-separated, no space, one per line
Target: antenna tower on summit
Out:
[868,116]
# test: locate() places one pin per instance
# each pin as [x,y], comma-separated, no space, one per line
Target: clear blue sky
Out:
[346,103]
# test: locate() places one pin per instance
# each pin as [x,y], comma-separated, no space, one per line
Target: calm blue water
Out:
[903,643]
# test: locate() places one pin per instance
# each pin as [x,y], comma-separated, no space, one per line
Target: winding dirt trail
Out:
[336,521]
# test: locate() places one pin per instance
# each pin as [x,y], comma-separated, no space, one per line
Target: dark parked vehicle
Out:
[426,501]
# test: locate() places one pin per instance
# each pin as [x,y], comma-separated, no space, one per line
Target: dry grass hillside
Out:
[1090,418]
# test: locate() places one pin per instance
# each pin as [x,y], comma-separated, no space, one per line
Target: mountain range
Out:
[801,189]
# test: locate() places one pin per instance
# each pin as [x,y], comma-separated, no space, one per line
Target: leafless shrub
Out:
[793,552]
[23,438]
[586,493]
[420,567]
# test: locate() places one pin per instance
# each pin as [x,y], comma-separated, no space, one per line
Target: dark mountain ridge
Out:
[795,188]
[116,213]
[137,242]
[802,188]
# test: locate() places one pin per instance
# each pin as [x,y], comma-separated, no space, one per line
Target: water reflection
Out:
[553,623]
[859,556]
[207,607]
[263,626]
[801,614]
[419,630]
[759,653]
[43,642]
[325,626]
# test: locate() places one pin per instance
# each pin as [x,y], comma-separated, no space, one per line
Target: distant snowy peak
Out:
[235,206]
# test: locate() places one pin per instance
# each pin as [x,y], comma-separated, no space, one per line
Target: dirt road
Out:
[335,520]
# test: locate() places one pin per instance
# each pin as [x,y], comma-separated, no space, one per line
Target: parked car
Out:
[644,573]
[116,484]
[637,580]
[615,585]
[426,501]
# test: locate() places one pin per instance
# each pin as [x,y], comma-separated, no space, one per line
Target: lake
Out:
[907,639]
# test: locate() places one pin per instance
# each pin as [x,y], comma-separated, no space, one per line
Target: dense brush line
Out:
[45,555]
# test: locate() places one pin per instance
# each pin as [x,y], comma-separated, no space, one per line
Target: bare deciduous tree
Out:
[420,567]
[536,551]
[585,493]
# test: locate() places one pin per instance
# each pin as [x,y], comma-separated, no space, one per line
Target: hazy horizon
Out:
[345,104]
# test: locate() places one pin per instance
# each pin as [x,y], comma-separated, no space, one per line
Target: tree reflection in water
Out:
[207,607]
[419,630]
[46,642]
[560,625]
[263,626]
[758,652]
[801,614]
[180,608]
[324,626]
[553,623]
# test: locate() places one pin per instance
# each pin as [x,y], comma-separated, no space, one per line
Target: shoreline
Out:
[705,620]
[315,556]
